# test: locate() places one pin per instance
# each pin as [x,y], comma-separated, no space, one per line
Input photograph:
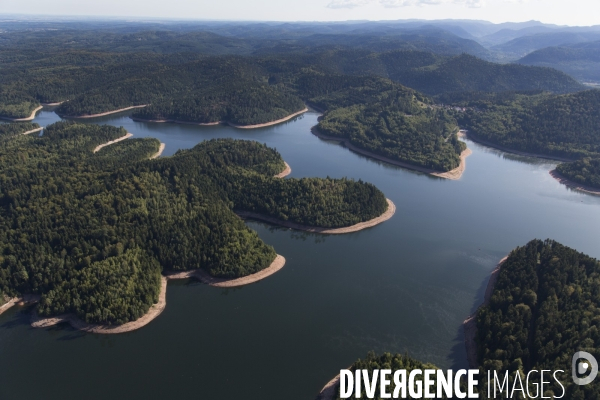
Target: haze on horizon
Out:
[560,12]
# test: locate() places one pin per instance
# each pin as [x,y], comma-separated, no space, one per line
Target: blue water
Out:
[403,286]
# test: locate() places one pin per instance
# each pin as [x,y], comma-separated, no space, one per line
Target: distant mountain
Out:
[581,61]
[436,74]
[522,46]
[430,40]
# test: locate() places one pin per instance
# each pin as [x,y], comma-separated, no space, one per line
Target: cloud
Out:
[406,3]
[348,3]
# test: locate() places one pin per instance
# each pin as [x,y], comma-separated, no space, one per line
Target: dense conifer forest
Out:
[585,172]
[91,232]
[544,308]
[564,126]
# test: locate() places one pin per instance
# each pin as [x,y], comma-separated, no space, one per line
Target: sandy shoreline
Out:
[470,324]
[285,172]
[160,150]
[104,113]
[31,117]
[101,146]
[158,308]
[153,312]
[329,390]
[204,277]
[33,130]
[52,104]
[175,121]
[574,185]
[21,301]
[454,174]
[278,121]
[331,231]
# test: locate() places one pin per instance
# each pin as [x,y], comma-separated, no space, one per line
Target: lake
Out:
[403,286]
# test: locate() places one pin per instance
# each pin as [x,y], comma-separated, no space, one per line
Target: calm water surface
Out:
[403,286]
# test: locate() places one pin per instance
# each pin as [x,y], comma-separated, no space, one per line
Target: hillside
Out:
[101,226]
[582,61]
[563,126]
[545,306]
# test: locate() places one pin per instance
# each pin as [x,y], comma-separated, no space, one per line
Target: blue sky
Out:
[570,12]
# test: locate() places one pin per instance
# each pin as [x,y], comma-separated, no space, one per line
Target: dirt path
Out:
[331,231]
[101,146]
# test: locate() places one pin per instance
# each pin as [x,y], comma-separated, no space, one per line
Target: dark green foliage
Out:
[396,125]
[545,306]
[585,172]
[243,103]
[17,128]
[561,126]
[91,232]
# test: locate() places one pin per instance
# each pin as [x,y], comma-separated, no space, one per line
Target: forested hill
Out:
[545,307]
[584,172]
[435,74]
[91,232]
[193,87]
[564,126]
[393,122]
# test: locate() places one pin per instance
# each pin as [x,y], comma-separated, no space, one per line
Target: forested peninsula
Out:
[544,306]
[361,93]
[91,232]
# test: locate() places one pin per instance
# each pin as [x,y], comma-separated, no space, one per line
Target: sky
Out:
[561,12]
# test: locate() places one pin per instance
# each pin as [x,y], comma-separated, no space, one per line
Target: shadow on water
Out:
[458,351]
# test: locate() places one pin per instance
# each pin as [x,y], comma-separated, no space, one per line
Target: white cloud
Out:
[348,3]
[406,3]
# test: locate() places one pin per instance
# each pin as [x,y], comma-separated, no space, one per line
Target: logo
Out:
[580,367]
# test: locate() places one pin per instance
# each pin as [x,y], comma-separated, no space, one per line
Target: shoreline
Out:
[161,148]
[204,277]
[156,309]
[470,324]
[329,390]
[25,119]
[101,146]
[21,301]
[52,104]
[33,131]
[104,113]
[176,121]
[454,174]
[511,151]
[331,231]
[573,185]
[285,172]
[277,121]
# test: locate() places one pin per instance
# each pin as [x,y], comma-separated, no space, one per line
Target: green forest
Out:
[543,309]
[91,232]
[585,171]
[17,128]
[564,126]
